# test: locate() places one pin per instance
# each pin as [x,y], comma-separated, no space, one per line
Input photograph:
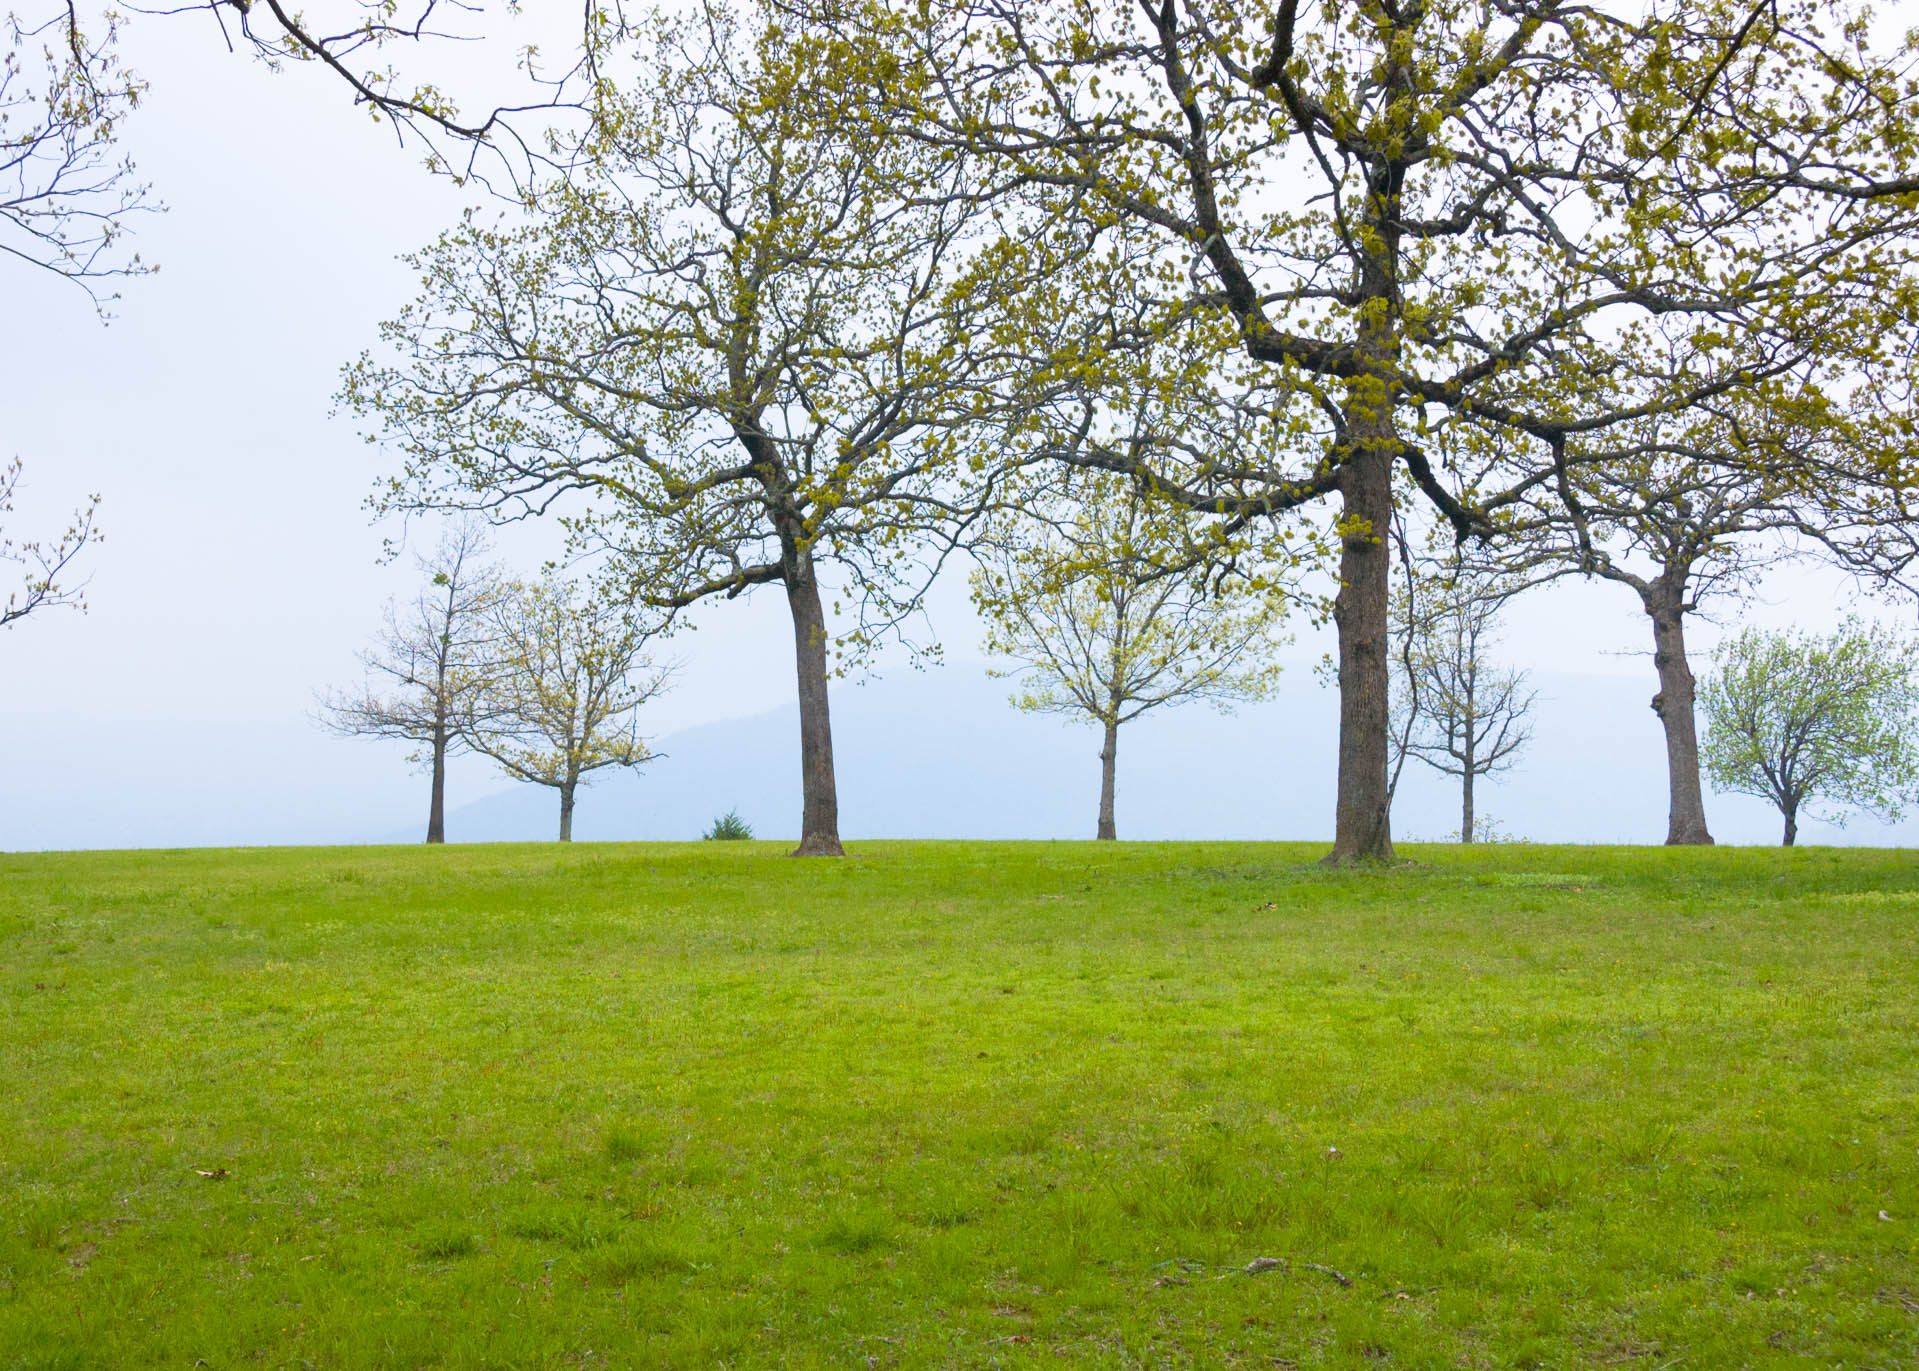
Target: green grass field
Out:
[949,1104]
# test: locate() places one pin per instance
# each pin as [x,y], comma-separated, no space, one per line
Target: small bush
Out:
[729,827]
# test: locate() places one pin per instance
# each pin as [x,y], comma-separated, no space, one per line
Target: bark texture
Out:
[1686,822]
[1362,831]
[1108,768]
[1466,807]
[1792,828]
[566,811]
[436,807]
[820,805]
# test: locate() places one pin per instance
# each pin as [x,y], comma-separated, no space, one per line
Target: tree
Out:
[1457,709]
[1098,629]
[561,693]
[427,662]
[742,346]
[1688,510]
[67,193]
[1802,719]
[45,563]
[1446,214]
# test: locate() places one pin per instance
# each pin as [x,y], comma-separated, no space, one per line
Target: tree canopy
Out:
[1439,220]
[747,342]
[1095,626]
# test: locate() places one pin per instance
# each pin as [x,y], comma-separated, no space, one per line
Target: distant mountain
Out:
[943,755]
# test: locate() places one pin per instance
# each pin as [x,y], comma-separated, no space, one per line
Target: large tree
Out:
[1808,719]
[1688,510]
[1449,213]
[427,664]
[1097,626]
[743,345]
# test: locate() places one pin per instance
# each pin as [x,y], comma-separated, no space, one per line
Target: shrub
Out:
[729,827]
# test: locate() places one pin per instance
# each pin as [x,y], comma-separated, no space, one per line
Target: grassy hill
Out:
[955,1104]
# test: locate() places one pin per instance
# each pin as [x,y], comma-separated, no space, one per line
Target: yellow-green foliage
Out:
[1081,597]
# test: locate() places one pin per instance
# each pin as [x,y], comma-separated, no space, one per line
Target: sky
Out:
[241,570]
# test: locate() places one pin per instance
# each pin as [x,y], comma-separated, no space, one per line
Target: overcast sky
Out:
[240,571]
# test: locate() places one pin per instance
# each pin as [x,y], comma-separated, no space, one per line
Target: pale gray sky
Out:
[240,571]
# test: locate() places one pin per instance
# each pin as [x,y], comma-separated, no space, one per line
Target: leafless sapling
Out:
[1456,707]
[427,663]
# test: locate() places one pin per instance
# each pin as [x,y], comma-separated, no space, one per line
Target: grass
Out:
[959,1105]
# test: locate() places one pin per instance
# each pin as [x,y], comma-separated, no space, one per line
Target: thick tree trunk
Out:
[1361,828]
[1108,759]
[436,808]
[820,805]
[1792,828]
[1466,806]
[566,809]
[1686,823]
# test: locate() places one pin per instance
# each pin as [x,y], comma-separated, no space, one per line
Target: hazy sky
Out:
[240,570]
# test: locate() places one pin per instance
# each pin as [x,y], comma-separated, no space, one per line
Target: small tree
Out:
[1098,629]
[426,663]
[561,695]
[45,562]
[1796,718]
[1456,709]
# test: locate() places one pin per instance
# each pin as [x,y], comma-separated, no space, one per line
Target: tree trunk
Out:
[820,805]
[436,808]
[1108,757]
[1686,823]
[1792,827]
[1469,764]
[566,808]
[1362,830]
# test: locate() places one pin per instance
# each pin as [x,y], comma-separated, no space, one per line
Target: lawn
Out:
[959,1104]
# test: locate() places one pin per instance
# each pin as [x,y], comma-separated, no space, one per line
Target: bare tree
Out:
[741,347]
[427,663]
[46,563]
[1422,215]
[1458,709]
[1098,628]
[561,694]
